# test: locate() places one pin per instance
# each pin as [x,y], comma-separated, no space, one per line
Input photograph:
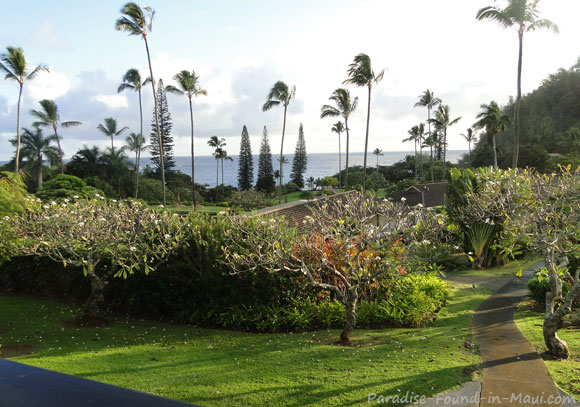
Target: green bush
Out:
[65,186]
[248,200]
[539,285]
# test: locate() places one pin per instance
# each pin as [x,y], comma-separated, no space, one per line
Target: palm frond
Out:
[329,111]
[174,90]
[124,86]
[270,104]
[543,24]
[492,13]
[70,124]
[38,69]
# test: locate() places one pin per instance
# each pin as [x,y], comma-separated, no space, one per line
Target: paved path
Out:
[28,386]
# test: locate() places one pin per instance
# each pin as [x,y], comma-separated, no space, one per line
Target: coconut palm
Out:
[431,142]
[14,65]
[338,128]
[217,144]
[109,129]
[221,154]
[344,108]
[49,117]
[470,137]
[428,100]
[34,148]
[442,122]
[136,143]
[360,73]
[132,81]
[494,122]
[416,136]
[280,94]
[282,162]
[378,152]
[523,15]
[137,21]
[188,85]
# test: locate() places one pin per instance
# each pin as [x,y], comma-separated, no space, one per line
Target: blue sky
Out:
[240,49]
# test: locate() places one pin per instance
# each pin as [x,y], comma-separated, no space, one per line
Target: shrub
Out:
[65,186]
[539,285]
[248,200]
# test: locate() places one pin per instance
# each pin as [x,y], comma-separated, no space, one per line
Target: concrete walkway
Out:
[28,386]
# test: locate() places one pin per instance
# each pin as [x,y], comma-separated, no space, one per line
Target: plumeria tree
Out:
[105,238]
[349,243]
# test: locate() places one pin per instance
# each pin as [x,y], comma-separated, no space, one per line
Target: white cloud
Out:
[48,85]
[112,101]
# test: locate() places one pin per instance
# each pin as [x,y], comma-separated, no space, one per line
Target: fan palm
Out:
[442,122]
[280,94]
[14,65]
[338,128]
[137,21]
[523,15]
[360,73]
[49,117]
[136,143]
[132,81]
[344,108]
[188,83]
[35,146]
[494,122]
[109,129]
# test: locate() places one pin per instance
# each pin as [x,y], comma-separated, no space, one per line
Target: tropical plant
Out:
[300,160]
[13,64]
[416,135]
[34,148]
[188,85]
[137,21]
[49,117]
[222,155]
[345,106]
[217,144]
[470,137]
[360,73]
[280,94]
[109,129]
[442,122]
[85,162]
[338,128]
[136,143]
[431,142]
[378,152]
[132,81]
[524,16]
[494,122]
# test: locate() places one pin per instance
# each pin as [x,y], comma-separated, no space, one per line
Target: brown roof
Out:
[428,195]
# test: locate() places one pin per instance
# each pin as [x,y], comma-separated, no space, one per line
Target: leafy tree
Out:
[345,106]
[48,116]
[85,162]
[35,147]
[280,94]
[442,122]
[494,122]
[109,129]
[217,144]
[188,85]
[13,198]
[115,170]
[300,160]
[338,128]
[265,181]
[136,143]
[246,162]
[523,15]
[137,21]
[162,120]
[13,64]
[360,73]
[132,81]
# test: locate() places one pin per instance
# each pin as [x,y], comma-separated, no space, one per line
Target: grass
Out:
[566,373]
[509,269]
[224,368]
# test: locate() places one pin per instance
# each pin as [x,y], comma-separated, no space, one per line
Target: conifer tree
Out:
[246,165]
[300,160]
[165,126]
[265,180]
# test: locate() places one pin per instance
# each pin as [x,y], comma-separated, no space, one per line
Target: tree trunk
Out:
[159,139]
[367,142]
[339,164]
[556,346]
[431,163]
[137,173]
[518,103]
[96,296]
[347,145]
[444,153]
[192,158]
[17,164]
[59,150]
[494,152]
[39,171]
[351,300]
[217,172]
[140,112]
[222,172]
[282,155]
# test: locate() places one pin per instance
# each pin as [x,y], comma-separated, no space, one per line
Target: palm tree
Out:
[136,143]
[338,128]
[344,107]
[494,122]
[523,15]
[416,136]
[442,122]
[132,81]
[280,93]
[221,154]
[428,100]
[378,152]
[109,129]
[115,165]
[283,160]
[188,83]
[136,22]
[217,144]
[49,117]
[360,73]
[470,137]
[13,64]
[35,146]
[431,142]
[85,162]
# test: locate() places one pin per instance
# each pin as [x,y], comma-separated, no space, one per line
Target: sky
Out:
[241,48]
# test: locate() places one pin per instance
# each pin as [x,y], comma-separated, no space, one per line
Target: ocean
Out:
[319,165]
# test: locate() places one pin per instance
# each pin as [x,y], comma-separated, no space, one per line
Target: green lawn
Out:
[509,269]
[566,373]
[223,368]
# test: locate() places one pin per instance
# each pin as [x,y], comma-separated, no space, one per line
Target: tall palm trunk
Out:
[140,112]
[59,150]
[17,165]
[518,103]
[416,166]
[281,155]
[367,142]
[137,154]
[494,152]
[347,153]
[39,171]
[222,172]
[112,147]
[339,164]
[431,163]
[192,157]
[217,172]
[159,139]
